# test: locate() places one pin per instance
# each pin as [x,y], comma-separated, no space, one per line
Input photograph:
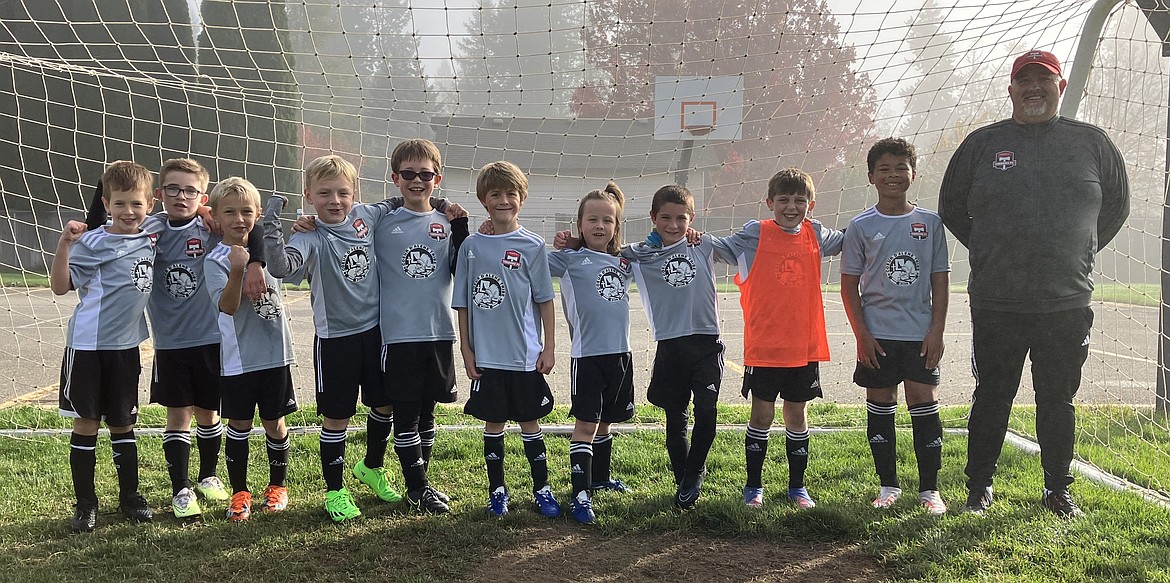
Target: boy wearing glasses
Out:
[338,257]
[185,376]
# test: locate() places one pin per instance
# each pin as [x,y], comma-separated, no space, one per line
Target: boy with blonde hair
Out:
[255,352]
[504,298]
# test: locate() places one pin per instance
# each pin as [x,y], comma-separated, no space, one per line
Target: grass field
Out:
[639,536]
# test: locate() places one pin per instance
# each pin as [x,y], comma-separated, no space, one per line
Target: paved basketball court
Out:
[1121,367]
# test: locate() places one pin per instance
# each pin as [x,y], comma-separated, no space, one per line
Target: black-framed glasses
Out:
[175,191]
[425,175]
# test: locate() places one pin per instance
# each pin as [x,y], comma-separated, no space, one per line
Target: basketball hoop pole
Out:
[688,147]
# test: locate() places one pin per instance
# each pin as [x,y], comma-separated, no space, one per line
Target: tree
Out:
[804,103]
[511,63]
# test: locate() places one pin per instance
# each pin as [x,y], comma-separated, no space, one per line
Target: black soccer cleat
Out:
[978,501]
[135,509]
[1060,503]
[84,516]
[427,499]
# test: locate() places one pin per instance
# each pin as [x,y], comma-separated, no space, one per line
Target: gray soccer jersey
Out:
[339,262]
[414,266]
[113,275]
[181,313]
[500,279]
[895,257]
[677,285]
[741,246]
[595,295]
[257,337]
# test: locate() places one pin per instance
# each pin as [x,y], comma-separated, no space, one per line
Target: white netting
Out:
[567,91]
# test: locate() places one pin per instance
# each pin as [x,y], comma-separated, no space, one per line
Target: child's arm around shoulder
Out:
[281,260]
[60,280]
[830,240]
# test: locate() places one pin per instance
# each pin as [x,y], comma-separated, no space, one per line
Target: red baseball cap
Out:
[1043,58]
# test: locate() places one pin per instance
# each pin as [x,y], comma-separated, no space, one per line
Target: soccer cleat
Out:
[686,498]
[498,502]
[275,499]
[612,485]
[136,509]
[978,501]
[546,503]
[426,499]
[753,497]
[240,506]
[212,489]
[887,496]
[1060,503]
[801,498]
[84,516]
[185,504]
[339,505]
[581,509]
[378,481]
[932,502]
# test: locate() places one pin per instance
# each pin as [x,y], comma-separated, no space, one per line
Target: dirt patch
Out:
[570,553]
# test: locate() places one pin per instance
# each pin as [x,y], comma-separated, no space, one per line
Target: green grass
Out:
[1120,539]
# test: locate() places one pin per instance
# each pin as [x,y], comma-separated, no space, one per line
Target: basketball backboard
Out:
[698,108]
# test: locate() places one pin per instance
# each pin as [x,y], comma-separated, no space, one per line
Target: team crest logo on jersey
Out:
[143,274]
[194,247]
[266,307]
[511,259]
[624,264]
[489,291]
[902,268]
[437,232]
[180,281]
[360,229]
[678,270]
[611,285]
[918,231]
[1004,160]
[153,237]
[356,264]
[418,261]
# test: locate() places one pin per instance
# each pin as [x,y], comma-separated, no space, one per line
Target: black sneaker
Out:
[136,509]
[978,501]
[686,498]
[427,499]
[1060,503]
[84,516]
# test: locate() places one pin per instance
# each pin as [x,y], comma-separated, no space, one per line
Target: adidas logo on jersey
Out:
[587,261]
[801,452]
[396,231]
[337,462]
[491,457]
[576,469]
[753,447]
[936,443]
[879,438]
[544,401]
[878,237]
[470,254]
[419,462]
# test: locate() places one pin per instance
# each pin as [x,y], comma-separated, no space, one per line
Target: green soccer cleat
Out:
[377,480]
[212,489]
[339,505]
[185,504]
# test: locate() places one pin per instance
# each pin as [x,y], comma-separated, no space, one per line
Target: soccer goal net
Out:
[718,95]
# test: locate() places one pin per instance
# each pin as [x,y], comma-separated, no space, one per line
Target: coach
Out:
[1033,198]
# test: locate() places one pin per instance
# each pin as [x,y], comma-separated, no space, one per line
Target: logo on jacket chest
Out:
[1004,160]
[678,270]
